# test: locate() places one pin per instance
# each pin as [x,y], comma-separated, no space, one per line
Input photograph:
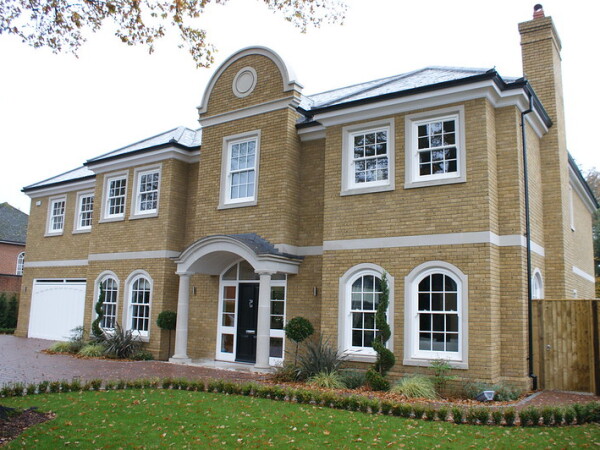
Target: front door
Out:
[246,326]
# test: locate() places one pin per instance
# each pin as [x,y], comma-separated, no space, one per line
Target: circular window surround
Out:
[244,82]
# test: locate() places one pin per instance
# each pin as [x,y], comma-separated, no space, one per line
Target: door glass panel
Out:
[227,343]
[231,274]
[276,348]
[247,272]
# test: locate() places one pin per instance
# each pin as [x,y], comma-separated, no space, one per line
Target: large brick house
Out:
[13,231]
[287,205]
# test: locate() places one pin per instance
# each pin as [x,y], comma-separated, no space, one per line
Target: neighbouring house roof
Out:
[181,136]
[13,224]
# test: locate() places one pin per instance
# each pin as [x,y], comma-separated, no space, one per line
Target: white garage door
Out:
[56,308]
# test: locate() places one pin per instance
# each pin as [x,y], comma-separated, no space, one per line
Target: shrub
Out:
[593,412]
[329,380]
[298,330]
[569,415]
[9,311]
[442,414]
[401,410]
[143,355]
[77,339]
[457,415]
[96,383]
[353,379]
[529,416]
[418,411]
[92,350]
[363,404]
[547,414]
[31,388]
[415,387]
[54,387]
[376,381]
[478,415]
[386,407]
[285,373]
[43,387]
[65,386]
[122,343]
[580,414]
[559,416]
[385,358]
[509,417]
[497,417]
[110,385]
[319,357]
[96,329]
[61,347]
[18,390]
[441,369]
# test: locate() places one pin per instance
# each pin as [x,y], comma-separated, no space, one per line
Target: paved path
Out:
[22,360]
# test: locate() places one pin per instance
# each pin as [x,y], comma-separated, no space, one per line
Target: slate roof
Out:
[427,76]
[13,224]
[260,246]
[180,136]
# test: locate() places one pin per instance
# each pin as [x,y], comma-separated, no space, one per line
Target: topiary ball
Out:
[298,329]
[167,320]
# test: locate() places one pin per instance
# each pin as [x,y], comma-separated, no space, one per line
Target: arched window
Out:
[537,285]
[20,263]
[436,314]
[140,293]
[110,286]
[360,291]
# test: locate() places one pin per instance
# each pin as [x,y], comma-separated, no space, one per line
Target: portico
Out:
[248,265]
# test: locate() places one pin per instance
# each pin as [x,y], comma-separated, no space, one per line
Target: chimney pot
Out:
[538,11]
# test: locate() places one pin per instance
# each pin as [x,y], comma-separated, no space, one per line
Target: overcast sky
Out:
[57,111]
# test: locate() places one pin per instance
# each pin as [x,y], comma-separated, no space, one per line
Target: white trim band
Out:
[586,276]
[477,237]
[61,263]
[154,254]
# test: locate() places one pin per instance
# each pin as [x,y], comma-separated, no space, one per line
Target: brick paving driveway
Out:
[21,360]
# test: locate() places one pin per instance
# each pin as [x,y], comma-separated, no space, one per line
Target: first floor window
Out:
[86,210]
[437,147]
[20,263]
[57,216]
[109,307]
[147,192]
[115,197]
[239,176]
[139,305]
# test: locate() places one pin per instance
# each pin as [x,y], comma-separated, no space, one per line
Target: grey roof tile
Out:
[13,224]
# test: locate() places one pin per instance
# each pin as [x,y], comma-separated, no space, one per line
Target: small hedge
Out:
[529,417]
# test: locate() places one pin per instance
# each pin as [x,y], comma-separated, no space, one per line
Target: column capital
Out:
[184,274]
[265,272]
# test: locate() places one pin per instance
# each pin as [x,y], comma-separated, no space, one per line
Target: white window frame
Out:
[144,335]
[20,263]
[413,179]
[50,231]
[106,216]
[413,356]
[101,279]
[136,200]
[349,185]
[345,348]
[225,200]
[78,228]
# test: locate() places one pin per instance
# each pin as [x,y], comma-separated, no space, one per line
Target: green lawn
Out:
[161,418]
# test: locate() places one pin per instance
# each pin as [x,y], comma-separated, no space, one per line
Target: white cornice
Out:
[432,99]
[312,133]
[230,116]
[57,263]
[581,191]
[67,186]
[127,161]
[583,274]
[152,254]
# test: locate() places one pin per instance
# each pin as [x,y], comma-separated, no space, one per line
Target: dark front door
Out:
[246,327]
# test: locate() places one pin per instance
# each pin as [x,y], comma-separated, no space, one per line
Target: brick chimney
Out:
[540,50]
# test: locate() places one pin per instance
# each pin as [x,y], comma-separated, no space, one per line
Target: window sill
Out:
[423,362]
[367,189]
[434,182]
[112,219]
[144,216]
[238,205]
[54,234]
[89,230]
[357,356]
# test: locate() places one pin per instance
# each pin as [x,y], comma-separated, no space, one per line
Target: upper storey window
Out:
[147,191]
[115,191]
[239,180]
[435,148]
[56,215]
[85,211]
[368,158]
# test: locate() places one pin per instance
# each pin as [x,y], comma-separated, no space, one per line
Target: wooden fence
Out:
[566,344]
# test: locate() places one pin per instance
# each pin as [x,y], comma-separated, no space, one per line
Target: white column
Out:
[263,325]
[181,330]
